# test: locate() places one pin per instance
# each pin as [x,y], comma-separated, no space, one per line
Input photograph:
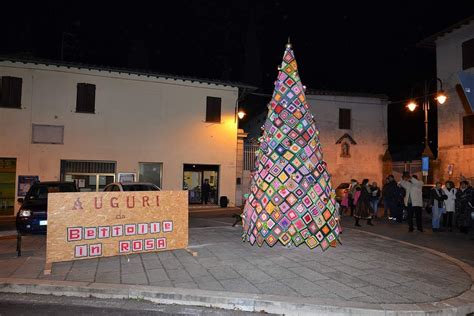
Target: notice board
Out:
[87,225]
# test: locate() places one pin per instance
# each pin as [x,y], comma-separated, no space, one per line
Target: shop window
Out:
[10,92]
[468,54]
[344,118]
[213,110]
[85,102]
[151,172]
[468,130]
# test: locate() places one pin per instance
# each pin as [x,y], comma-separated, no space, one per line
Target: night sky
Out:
[353,46]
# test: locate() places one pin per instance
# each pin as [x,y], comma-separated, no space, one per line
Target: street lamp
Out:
[412,105]
[241,114]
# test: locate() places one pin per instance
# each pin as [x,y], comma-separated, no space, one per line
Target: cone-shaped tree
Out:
[291,199]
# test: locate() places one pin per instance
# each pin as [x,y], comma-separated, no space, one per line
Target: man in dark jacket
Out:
[390,195]
[206,188]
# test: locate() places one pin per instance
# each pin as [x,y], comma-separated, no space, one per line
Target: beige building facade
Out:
[95,126]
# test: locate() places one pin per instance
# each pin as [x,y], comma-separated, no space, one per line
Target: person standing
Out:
[437,198]
[464,207]
[413,199]
[351,194]
[390,197]
[450,203]
[206,188]
[363,209]
[384,198]
[374,198]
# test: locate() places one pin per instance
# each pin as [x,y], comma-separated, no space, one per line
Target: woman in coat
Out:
[363,209]
[450,203]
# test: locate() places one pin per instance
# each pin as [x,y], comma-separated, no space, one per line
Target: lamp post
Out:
[412,105]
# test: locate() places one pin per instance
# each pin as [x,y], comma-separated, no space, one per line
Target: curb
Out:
[462,304]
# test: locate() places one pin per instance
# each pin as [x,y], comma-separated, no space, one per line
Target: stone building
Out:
[353,133]
[454,62]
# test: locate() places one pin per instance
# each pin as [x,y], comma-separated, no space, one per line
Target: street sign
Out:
[467,83]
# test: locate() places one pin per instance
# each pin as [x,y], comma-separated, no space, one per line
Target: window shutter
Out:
[5,92]
[85,102]
[213,109]
[15,92]
[468,54]
[468,130]
[11,92]
[344,118]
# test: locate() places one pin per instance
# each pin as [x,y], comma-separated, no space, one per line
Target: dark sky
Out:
[355,46]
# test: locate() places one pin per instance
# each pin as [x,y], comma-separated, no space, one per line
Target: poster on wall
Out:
[85,225]
[127,177]
[24,184]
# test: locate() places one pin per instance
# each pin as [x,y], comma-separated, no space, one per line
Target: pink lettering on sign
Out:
[95,250]
[98,203]
[150,244]
[104,232]
[130,229]
[125,246]
[90,233]
[142,229]
[80,251]
[161,243]
[117,230]
[154,228]
[114,202]
[146,201]
[167,226]
[131,202]
[74,233]
[137,245]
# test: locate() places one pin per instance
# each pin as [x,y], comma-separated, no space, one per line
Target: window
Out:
[468,130]
[85,102]
[468,54]
[10,92]
[344,118]
[151,172]
[213,110]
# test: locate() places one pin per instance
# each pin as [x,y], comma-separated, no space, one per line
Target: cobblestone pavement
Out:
[363,269]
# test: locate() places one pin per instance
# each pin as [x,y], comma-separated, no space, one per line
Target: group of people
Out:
[448,204]
[452,206]
[362,200]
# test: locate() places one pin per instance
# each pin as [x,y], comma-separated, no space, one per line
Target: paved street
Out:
[364,269]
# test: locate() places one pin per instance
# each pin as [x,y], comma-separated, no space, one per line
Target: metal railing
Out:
[249,156]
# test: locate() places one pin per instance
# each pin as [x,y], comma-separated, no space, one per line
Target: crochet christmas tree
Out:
[291,200]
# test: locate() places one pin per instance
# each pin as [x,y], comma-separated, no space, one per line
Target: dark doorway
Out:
[194,177]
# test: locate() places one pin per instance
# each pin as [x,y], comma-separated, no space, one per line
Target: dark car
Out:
[32,218]
[342,191]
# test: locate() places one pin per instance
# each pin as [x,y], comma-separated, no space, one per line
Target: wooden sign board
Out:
[101,224]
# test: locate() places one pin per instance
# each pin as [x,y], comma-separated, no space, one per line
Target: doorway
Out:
[7,185]
[194,176]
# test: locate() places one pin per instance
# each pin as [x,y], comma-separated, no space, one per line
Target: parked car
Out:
[131,186]
[342,191]
[32,218]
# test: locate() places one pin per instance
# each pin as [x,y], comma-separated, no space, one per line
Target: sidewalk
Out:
[367,275]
